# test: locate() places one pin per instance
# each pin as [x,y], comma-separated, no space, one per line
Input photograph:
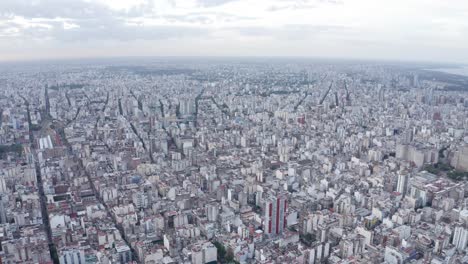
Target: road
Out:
[42,197]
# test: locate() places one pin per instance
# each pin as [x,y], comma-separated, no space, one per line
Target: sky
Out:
[408,30]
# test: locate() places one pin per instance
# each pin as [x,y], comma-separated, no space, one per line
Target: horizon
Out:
[311,59]
[234,131]
[410,31]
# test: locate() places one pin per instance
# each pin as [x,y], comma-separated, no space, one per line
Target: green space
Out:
[442,169]
[14,148]
[224,256]
[35,127]
[458,175]
[307,239]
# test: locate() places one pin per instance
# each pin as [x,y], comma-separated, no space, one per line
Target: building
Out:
[402,184]
[275,215]
[203,253]
[123,253]
[460,159]
[3,218]
[394,256]
[187,106]
[417,155]
[72,256]
[460,237]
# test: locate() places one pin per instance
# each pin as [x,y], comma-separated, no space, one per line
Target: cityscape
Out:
[233,161]
[233,132]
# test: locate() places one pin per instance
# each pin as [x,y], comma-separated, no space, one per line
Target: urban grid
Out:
[232,160]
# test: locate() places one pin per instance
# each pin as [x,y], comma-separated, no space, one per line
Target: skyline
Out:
[426,31]
[232,161]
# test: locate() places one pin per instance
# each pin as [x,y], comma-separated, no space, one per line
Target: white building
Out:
[460,237]
[72,256]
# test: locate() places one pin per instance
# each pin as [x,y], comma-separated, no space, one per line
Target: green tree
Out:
[229,256]
[221,250]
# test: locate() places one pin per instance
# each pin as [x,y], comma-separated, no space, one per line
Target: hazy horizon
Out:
[130,60]
[407,31]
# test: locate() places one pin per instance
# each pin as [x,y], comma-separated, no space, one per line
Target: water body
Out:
[458,71]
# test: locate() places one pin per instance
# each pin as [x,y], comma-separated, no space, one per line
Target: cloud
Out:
[53,9]
[203,18]
[329,26]
[95,29]
[284,5]
[333,2]
[79,20]
[277,8]
[118,31]
[294,32]
[211,3]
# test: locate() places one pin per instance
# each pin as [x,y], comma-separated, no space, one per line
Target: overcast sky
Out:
[422,30]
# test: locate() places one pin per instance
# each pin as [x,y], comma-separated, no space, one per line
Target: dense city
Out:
[232,161]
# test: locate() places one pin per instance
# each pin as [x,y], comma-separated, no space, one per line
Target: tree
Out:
[220,249]
[229,256]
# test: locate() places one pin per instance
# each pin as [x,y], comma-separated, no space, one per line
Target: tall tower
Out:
[275,215]
[3,218]
[402,184]
[430,96]
[415,80]
[460,237]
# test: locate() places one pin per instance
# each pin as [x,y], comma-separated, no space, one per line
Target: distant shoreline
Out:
[462,70]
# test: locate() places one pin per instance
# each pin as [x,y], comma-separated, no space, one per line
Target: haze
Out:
[409,30]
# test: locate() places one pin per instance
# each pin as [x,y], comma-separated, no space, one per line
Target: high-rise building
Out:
[123,253]
[275,215]
[187,106]
[3,218]
[460,159]
[75,256]
[3,188]
[460,237]
[402,184]
[415,80]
